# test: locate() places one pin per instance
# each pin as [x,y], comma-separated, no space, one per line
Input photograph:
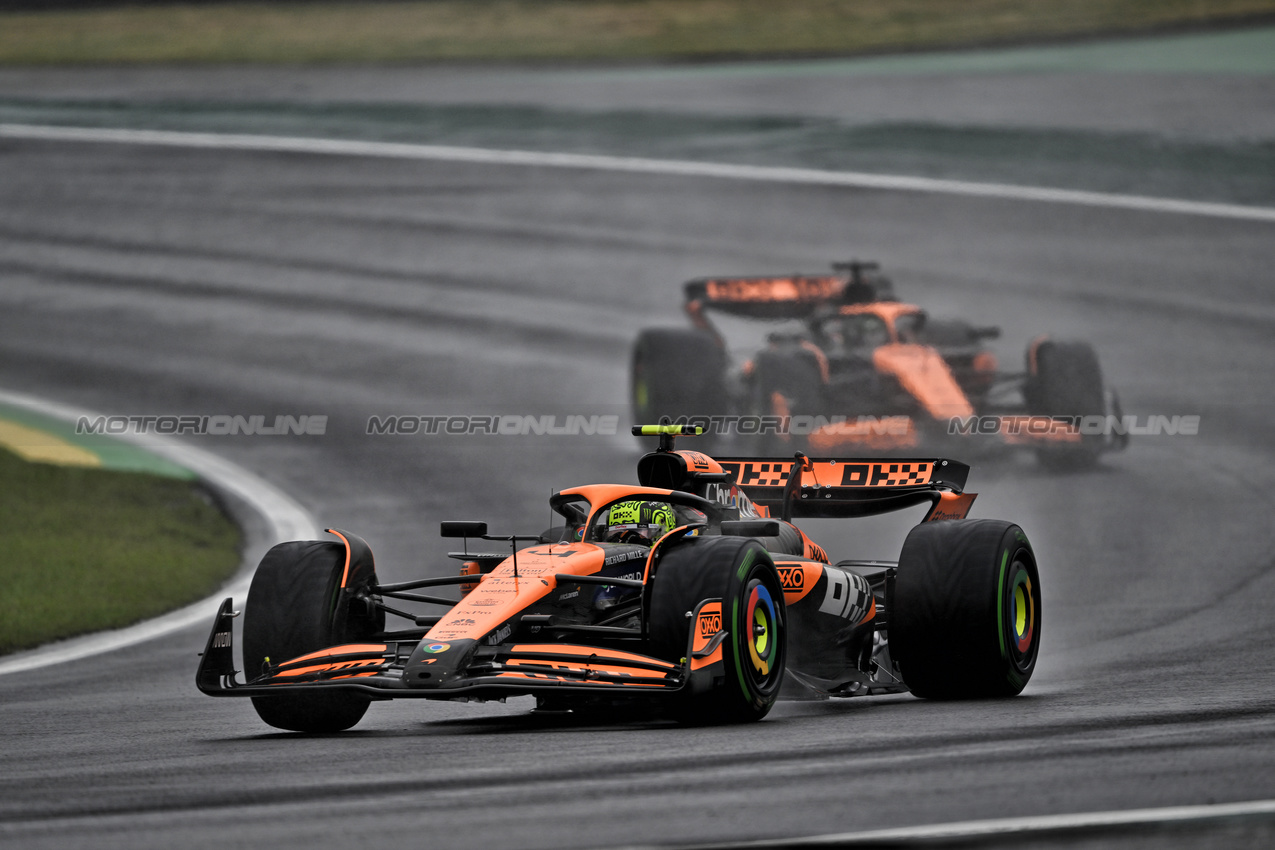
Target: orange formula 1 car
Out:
[690,594]
[846,367]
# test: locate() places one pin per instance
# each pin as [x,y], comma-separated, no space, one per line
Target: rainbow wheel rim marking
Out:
[1022,614]
[760,617]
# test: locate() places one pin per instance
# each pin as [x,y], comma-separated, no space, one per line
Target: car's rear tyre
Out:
[295,606]
[1065,380]
[740,573]
[965,610]
[786,383]
[677,373]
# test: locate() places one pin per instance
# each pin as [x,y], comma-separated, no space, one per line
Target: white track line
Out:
[638,165]
[289,521]
[1012,827]
[284,519]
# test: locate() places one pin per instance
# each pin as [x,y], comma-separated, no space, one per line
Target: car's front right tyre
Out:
[295,608]
[740,573]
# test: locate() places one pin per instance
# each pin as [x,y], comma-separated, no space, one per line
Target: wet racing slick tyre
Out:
[677,373]
[964,610]
[1064,379]
[738,571]
[786,383]
[295,606]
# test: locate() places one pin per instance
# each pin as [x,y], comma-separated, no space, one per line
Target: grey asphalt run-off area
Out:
[145,280]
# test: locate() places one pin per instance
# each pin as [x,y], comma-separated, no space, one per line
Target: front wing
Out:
[398,669]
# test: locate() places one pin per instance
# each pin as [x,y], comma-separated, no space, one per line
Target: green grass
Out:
[582,30]
[90,549]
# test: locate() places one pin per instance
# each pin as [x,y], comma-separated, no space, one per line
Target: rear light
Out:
[985,361]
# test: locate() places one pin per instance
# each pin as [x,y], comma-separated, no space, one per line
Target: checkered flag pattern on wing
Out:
[907,473]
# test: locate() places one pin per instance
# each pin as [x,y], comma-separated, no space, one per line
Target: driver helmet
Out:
[639,522]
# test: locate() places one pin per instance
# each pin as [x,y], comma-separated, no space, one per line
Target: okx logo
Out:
[792,578]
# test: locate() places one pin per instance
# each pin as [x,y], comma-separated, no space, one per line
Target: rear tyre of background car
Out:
[1064,379]
[964,610]
[786,383]
[740,573]
[677,373]
[296,606]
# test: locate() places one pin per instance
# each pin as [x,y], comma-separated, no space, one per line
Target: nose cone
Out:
[435,663]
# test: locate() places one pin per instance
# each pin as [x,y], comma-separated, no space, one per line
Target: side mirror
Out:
[463,529]
[751,528]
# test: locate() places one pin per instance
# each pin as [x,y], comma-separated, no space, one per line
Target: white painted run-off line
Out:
[283,517]
[638,165]
[1024,827]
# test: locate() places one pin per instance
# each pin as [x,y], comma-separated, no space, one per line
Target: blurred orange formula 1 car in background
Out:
[845,366]
[690,594]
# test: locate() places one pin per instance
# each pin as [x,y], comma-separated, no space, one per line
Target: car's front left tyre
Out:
[677,373]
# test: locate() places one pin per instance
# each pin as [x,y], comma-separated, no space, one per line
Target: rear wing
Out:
[788,297]
[793,297]
[847,487]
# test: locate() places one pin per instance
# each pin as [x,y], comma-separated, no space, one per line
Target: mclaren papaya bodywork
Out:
[847,367]
[735,599]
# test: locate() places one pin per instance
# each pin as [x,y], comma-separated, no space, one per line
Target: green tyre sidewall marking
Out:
[725,568]
[1028,656]
[744,566]
[1013,674]
[956,582]
[1000,605]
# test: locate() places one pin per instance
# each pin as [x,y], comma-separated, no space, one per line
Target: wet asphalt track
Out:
[138,280]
